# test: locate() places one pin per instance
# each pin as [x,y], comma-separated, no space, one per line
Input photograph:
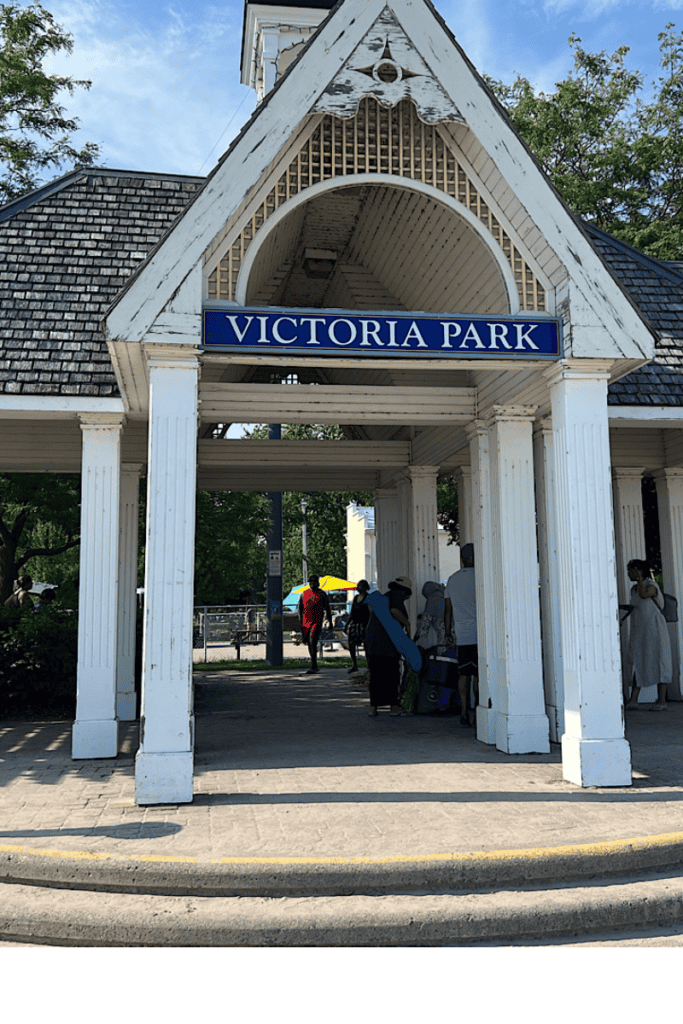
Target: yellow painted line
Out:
[614,846]
[83,855]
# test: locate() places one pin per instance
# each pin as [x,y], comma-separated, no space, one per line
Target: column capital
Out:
[384,492]
[476,428]
[167,354]
[417,471]
[668,473]
[543,426]
[463,470]
[509,413]
[132,467]
[101,420]
[578,369]
[627,472]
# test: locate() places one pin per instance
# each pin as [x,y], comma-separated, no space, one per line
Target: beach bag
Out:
[670,609]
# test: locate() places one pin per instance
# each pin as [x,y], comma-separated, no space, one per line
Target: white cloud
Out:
[587,8]
[162,93]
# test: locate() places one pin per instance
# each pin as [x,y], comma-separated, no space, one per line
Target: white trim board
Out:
[55,406]
[657,416]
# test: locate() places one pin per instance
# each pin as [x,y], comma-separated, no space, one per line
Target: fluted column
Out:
[95,730]
[417,495]
[463,481]
[521,723]
[128,576]
[164,764]
[387,536]
[670,504]
[594,749]
[482,538]
[629,537]
[547,558]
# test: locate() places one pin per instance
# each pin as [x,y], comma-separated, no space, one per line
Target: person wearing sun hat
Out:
[383,659]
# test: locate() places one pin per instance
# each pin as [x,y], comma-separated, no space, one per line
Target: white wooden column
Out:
[629,537]
[482,534]
[594,749]
[164,764]
[128,576]
[417,491]
[670,504]
[521,723]
[463,481]
[95,730]
[551,637]
[387,538]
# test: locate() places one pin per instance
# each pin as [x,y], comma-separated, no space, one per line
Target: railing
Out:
[246,625]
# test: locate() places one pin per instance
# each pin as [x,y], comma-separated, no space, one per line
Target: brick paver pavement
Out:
[289,765]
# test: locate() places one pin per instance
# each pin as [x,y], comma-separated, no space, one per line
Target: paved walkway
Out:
[291,766]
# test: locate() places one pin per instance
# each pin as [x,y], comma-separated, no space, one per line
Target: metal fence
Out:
[242,626]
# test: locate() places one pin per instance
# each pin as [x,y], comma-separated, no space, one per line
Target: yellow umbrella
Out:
[327,583]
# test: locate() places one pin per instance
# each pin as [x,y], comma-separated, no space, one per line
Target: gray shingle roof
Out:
[657,289]
[67,249]
[65,252]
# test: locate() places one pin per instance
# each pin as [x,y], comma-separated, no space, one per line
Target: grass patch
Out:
[290,665]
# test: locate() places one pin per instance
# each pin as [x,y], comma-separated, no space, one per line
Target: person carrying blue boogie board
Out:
[385,641]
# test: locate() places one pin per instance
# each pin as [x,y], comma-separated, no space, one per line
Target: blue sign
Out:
[314,332]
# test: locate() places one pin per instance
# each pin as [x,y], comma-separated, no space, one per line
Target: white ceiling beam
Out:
[302,403]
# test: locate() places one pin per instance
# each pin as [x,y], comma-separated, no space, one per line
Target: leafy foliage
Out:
[35,133]
[39,524]
[325,516]
[38,657]
[230,549]
[616,158]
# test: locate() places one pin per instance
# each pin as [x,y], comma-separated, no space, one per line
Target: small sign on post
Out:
[275,563]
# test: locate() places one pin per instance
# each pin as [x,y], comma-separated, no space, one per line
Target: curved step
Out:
[40,915]
[307,876]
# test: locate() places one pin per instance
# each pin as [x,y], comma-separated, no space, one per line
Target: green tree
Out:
[325,515]
[39,521]
[35,133]
[616,158]
[230,545]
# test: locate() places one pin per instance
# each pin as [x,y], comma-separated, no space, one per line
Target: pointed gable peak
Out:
[386,65]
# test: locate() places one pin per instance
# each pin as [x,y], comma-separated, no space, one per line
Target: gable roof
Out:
[601,303]
[66,250]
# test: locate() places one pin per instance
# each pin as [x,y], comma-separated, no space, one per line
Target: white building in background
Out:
[361,548]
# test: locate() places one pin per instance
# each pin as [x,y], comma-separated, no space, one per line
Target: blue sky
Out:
[166,94]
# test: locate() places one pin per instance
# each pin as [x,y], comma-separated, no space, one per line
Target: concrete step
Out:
[273,877]
[45,915]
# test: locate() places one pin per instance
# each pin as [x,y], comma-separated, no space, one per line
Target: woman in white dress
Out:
[648,645]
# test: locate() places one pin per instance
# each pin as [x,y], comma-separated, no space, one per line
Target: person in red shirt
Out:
[314,604]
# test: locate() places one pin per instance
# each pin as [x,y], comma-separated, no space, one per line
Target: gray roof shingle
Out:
[67,249]
[65,252]
[656,287]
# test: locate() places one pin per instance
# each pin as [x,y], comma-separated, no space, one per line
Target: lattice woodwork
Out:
[380,141]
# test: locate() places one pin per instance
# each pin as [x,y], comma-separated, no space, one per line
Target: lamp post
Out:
[274,582]
[304,541]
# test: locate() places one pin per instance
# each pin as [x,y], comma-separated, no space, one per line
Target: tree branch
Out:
[34,552]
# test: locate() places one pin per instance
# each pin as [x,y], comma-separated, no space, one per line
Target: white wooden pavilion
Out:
[379,183]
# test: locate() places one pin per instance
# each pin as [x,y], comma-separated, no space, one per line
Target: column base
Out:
[486,725]
[164,778]
[125,707]
[522,734]
[596,762]
[99,738]
[556,721]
